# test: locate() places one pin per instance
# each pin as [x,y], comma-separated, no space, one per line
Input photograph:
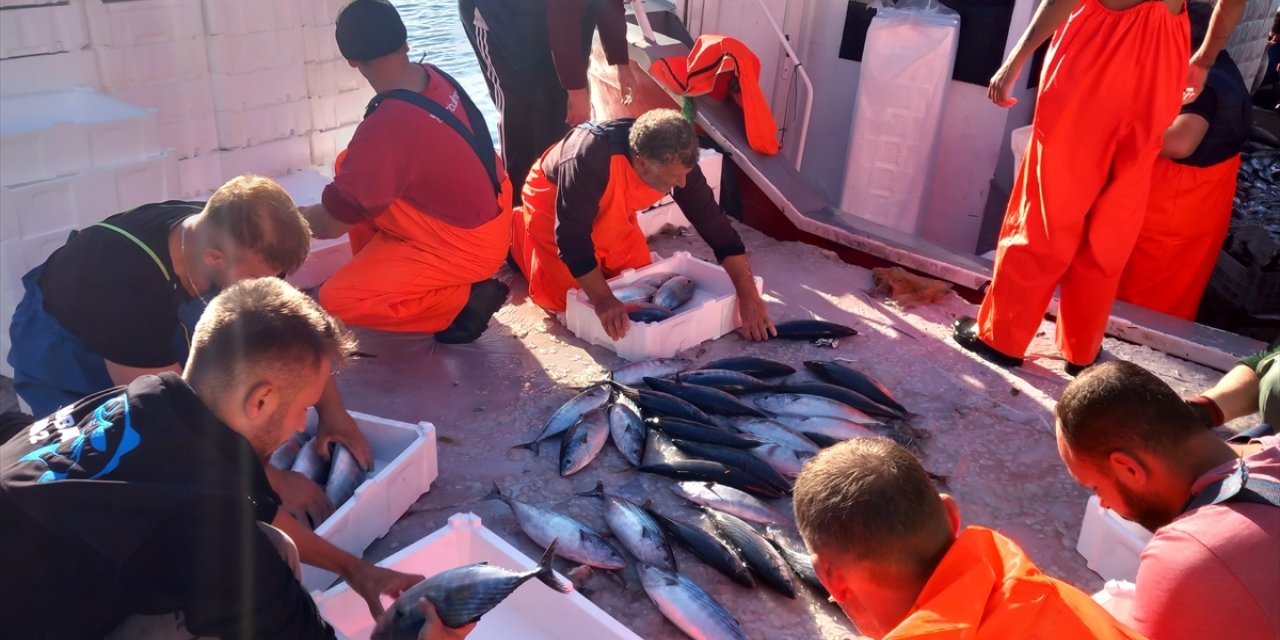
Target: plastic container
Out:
[263,124]
[711,313]
[1110,544]
[532,612]
[1249,289]
[404,467]
[34,31]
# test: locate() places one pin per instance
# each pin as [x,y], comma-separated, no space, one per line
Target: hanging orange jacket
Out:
[986,588]
[709,70]
[1187,219]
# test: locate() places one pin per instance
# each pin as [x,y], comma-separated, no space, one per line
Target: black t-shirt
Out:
[107,291]
[1226,104]
[138,500]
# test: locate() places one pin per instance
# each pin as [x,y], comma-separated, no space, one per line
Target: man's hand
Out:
[1196,76]
[756,324]
[302,498]
[578,109]
[339,427]
[372,582]
[1000,89]
[613,317]
[434,629]
[626,82]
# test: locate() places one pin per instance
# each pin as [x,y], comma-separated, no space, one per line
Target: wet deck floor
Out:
[992,429]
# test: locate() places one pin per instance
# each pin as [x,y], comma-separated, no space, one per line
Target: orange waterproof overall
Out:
[1112,83]
[986,588]
[411,272]
[1187,219]
[619,242]
[711,65]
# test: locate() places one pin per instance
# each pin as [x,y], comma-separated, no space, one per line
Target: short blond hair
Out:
[257,214]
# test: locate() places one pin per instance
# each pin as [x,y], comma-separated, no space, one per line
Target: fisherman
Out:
[146,507]
[534,54]
[120,299]
[1192,189]
[419,191]
[1252,386]
[1110,86]
[577,226]
[890,551]
[1210,571]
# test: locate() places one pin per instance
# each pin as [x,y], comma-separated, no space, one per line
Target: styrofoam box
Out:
[332,77]
[268,159]
[259,88]
[1111,545]
[263,124]
[42,74]
[128,24]
[190,138]
[319,43]
[126,67]
[326,257]
[173,101]
[200,176]
[326,145]
[250,16]
[13,4]
[711,313]
[321,12]
[337,110]
[249,52]
[40,30]
[532,612]
[404,466]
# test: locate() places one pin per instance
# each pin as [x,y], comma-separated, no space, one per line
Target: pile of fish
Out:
[655,297]
[1257,199]
[340,476]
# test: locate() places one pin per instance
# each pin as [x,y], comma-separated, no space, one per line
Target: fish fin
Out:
[533,445]
[547,575]
[597,492]
[495,493]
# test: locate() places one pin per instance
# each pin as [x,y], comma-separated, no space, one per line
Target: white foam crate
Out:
[263,124]
[200,176]
[532,612]
[1111,545]
[55,72]
[307,186]
[173,101]
[332,77]
[190,138]
[268,159]
[13,4]
[326,257]
[340,109]
[711,313]
[250,16]
[404,467]
[152,63]
[128,24]
[326,145]
[319,43]
[151,180]
[249,52]
[62,203]
[41,30]
[259,88]
[321,12]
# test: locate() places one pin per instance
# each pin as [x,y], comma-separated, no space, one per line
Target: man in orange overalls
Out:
[1112,82]
[577,226]
[890,551]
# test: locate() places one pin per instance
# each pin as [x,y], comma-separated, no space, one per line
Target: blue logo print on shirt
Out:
[90,453]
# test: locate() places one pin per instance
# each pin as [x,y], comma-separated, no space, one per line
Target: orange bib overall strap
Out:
[1187,219]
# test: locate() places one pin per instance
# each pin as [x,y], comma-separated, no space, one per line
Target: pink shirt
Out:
[1214,572]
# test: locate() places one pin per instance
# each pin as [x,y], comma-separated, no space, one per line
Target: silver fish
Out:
[345,475]
[461,595]
[635,373]
[578,542]
[583,442]
[799,404]
[285,454]
[628,431]
[688,606]
[773,431]
[785,460]
[674,293]
[646,312]
[634,293]
[638,532]
[654,280]
[309,464]
[569,413]
[729,500]
[800,560]
[763,559]
[833,428]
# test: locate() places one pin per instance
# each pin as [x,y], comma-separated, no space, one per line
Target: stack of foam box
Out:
[338,92]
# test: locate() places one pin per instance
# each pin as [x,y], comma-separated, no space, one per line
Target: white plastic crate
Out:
[263,124]
[326,145]
[250,16]
[200,176]
[128,24]
[337,110]
[1111,545]
[532,612]
[41,30]
[259,88]
[332,77]
[245,53]
[319,43]
[711,313]
[269,159]
[152,63]
[404,467]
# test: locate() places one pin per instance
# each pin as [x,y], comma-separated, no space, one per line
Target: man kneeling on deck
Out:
[890,550]
[150,500]
[419,192]
[577,226]
[1212,570]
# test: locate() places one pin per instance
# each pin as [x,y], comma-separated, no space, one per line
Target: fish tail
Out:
[547,575]
[597,492]
[495,493]
[533,445]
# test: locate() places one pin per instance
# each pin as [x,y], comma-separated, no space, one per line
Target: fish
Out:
[634,293]
[751,365]
[855,380]
[285,454]
[773,431]
[310,464]
[812,330]
[583,442]
[784,460]
[345,475]
[646,312]
[628,431]
[665,404]
[674,293]
[800,561]
[688,606]
[729,500]
[654,280]
[821,440]
[710,471]
[702,539]
[569,413]
[837,429]
[846,396]
[803,404]
[737,459]
[705,398]
[578,542]
[638,532]
[635,373]
[700,432]
[725,380]
[758,553]
[462,595]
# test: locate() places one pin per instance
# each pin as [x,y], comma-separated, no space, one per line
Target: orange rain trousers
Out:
[618,240]
[986,588]
[1111,84]
[410,272]
[1187,219]
[708,69]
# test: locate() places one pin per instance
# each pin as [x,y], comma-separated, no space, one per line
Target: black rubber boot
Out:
[965,332]
[485,300]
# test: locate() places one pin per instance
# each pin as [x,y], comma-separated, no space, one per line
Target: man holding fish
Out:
[577,225]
